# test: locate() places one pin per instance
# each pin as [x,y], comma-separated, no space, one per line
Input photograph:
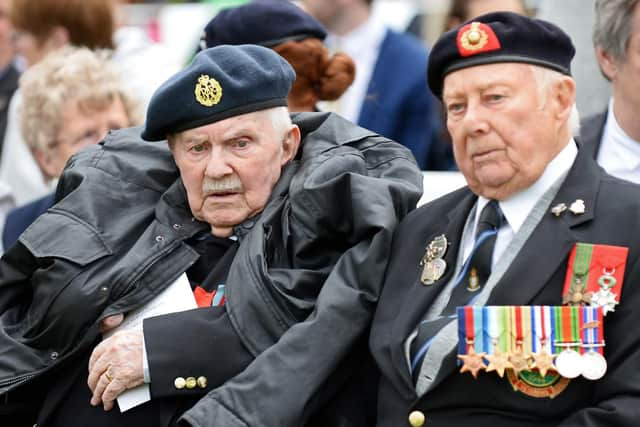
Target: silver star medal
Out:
[604,297]
[433,264]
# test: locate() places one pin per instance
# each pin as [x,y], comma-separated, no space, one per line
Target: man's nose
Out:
[476,119]
[218,165]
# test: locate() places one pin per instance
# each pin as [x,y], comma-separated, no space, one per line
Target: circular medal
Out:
[594,365]
[569,363]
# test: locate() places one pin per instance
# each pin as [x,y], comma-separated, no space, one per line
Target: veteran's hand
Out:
[115,366]
[111,322]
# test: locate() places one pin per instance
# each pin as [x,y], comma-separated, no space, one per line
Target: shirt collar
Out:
[517,207]
[366,37]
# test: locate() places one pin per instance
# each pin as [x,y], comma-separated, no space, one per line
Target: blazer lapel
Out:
[419,297]
[550,243]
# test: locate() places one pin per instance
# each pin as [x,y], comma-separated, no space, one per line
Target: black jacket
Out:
[535,277]
[591,130]
[297,297]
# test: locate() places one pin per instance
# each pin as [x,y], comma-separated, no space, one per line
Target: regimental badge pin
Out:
[474,281]
[558,209]
[577,207]
[433,264]
[208,91]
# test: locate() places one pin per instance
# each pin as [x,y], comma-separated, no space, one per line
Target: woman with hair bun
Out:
[297,37]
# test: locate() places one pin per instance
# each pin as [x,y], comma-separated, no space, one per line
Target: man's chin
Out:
[497,187]
[222,231]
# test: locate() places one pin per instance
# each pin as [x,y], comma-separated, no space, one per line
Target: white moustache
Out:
[225,185]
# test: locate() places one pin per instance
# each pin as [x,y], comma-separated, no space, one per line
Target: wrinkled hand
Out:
[115,366]
[111,322]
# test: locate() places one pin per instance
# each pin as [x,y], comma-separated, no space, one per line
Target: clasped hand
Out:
[115,364]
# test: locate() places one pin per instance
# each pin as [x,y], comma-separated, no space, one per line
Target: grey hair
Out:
[280,120]
[612,26]
[544,78]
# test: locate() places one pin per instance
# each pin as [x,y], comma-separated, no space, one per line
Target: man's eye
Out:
[198,148]
[495,97]
[455,108]
[243,143]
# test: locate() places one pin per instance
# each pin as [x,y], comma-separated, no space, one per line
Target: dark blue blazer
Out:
[21,217]
[398,103]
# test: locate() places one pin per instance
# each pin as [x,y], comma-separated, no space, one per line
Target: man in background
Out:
[613,136]
[388,93]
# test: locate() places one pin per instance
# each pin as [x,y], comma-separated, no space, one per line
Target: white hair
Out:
[545,77]
[280,120]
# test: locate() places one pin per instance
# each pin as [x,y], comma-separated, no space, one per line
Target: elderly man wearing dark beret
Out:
[270,219]
[509,302]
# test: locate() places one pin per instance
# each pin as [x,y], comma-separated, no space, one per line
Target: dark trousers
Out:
[67,405]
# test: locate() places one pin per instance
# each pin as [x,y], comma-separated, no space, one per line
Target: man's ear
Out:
[290,144]
[564,97]
[607,63]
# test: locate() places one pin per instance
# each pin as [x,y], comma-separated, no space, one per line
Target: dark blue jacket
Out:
[398,103]
[21,217]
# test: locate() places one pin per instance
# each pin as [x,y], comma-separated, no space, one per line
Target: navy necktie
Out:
[472,277]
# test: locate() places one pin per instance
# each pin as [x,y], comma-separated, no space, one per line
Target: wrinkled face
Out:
[80,127]
[504,129]
[230,167]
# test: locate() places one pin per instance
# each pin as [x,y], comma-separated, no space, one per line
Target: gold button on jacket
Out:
[191,382]
[416,419]
[202,382]
[179,383]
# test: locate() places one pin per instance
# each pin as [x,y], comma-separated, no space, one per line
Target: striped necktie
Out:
[472,277]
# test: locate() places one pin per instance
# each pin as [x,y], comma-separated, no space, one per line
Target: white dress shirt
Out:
[619,154]
[517,207]
[363,46]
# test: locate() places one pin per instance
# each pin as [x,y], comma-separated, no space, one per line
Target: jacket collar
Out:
[591,129]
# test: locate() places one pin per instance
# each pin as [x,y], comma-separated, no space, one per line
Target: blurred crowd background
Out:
[149,40]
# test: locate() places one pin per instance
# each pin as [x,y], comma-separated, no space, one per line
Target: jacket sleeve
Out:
[205,344]
[615,399]
[344,217]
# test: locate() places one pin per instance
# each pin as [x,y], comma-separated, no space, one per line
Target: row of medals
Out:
[568,363]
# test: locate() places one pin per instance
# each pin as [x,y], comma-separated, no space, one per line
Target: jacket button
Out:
[416,419]
[159,239]
[177,226]
[179,383]
[202,382]
[191,383]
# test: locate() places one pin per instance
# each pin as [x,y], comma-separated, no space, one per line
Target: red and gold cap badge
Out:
[475,38]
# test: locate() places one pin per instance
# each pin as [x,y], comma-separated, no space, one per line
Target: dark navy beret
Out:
[499,37]
[264,22]
[221,82]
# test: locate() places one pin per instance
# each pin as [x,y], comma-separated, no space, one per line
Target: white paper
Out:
[177,297]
